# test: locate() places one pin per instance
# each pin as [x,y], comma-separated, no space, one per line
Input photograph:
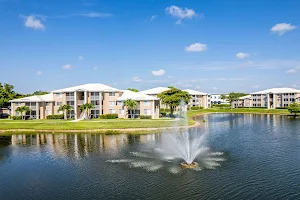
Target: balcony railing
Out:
[32,107]
[95,97]
[80,102]
[70,98]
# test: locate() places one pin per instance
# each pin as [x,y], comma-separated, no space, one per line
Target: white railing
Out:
[80,102]
[70,98]
[95,97]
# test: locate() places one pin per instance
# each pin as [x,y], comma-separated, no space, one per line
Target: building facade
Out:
[271,98]
[215,99]
[107,100]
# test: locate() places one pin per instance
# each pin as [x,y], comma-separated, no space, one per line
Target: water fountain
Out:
[177,149]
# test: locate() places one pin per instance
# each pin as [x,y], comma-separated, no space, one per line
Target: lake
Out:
[259,159]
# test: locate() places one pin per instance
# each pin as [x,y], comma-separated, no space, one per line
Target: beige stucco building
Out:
[270,99]
[107,100]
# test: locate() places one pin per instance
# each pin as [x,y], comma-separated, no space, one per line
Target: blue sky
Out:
[213,46]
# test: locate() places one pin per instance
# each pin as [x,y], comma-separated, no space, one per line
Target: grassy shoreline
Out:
[116,126]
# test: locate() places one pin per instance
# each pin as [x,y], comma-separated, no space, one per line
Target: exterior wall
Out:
[6,111]
[61,99]
[215,99]
[107,99]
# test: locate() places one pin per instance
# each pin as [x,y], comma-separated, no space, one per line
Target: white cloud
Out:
[80,57]
[95,14]
[153,17]
[282,28]
[180,13]
[136,79]
[68,66]
[196,47]
[159,72]
[255,86]
[32,22]
[39,73]
[291,71]
[95,68]
[242,55]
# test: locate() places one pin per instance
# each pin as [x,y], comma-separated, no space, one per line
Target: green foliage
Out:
[39,92]
[7,94]
[232,96]
[173,97]
[294,108]
[162,114]
[197,107]
[145,117]
[165,109]
[223,97]
[131,105]
[16,117]
[22,109]
[109,116]
[222,105]
[133,90]
[87,107]
[60,116]
[65,108]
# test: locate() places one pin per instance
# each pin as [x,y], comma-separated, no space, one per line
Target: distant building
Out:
[215,99]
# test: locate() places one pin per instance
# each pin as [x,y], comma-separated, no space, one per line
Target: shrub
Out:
[162,114]
[197,107]
[281,108]
[222,106]
[165,110]
[16,117]
[109,116]
[60,116]
[145,117]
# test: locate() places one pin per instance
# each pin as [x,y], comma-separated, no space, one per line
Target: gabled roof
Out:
[194,92]
[137,96]
[154,91]
[245,97]
[278,91]
[93,87]
[38,98]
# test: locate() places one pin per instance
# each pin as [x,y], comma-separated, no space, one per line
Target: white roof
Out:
[154,91]
[245,97]
[194,92]
[38,98]
[137,96]
[278,91]
[94,87]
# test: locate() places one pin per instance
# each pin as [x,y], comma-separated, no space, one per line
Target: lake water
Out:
[259,154]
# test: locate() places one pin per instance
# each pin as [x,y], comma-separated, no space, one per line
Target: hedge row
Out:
[145,117]
[109,116]
[222,105]
[197,107]
[60,116]
[16,117]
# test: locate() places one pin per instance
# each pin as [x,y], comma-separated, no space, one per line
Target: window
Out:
[94,93]
[112,111]
[48,104]
[147,112]
[18,104]
[58,103]
[58,95]
[121,112]
[70,94]
[112,103]
[48,112]
[146,103]
[95,113]
[71,103]
[111,94]
[95,103]
[120,103]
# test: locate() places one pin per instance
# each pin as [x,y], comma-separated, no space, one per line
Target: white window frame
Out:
[121,112]
[59,95]
[146,103]
[112,103]
[111,94]
[112,111]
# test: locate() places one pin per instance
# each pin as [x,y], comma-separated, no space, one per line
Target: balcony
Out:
[80,102]
[95,97]
[70,98]
[32,107]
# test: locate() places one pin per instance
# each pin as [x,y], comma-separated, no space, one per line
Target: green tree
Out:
[223,97]
[87,107]
[7,94]
[133,90]
[65,108]
[39,92]
[233,96]
[173,97]
[294,108]
[22,109]
[131,106]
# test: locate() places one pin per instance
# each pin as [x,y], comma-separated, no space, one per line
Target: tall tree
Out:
[131,106]
[87,107]
[7,94]
[39,92]
[133,90]
[22,109]
[65,108]
[233,96]
[173,97]
[223,97]
[294,108]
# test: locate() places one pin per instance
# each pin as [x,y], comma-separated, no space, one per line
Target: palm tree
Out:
[65,108]
[23,109]
[87,107]
[131,106]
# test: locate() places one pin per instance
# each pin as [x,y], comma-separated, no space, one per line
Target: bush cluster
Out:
[60,116]
[16,117]
[162,114]
[109,116]
[197,107]
[145,117]
[281,108]
[165,110]
[222,105]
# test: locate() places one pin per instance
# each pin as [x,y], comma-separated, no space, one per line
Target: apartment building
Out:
[107,100]
[215,99]
[198,98]
[271,98]
[245,101]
